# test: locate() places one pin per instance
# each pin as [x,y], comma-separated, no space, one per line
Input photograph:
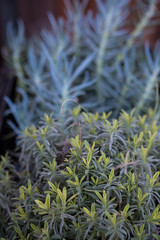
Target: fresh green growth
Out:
[97,179]
[92,59]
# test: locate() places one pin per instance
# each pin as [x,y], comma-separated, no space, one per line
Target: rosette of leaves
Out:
[97,179]
[90,58]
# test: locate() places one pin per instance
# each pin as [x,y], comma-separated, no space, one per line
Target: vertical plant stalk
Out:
[18,66]
[77,35]
[113,20]
[148,89]
[144,22]
[99,61]
[16,43]
[76,19]
[122,96]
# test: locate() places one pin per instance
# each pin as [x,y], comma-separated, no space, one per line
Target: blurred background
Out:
[34,15]
[32,12]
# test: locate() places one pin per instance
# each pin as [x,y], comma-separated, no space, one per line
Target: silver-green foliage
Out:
[97,179]
[92,59]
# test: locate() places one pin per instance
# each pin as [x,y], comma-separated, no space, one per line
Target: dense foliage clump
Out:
[90,178]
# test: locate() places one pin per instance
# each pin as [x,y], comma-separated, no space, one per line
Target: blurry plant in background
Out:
[92,59]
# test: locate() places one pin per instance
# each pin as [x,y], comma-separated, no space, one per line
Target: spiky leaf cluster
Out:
[93,179]
[93,59]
